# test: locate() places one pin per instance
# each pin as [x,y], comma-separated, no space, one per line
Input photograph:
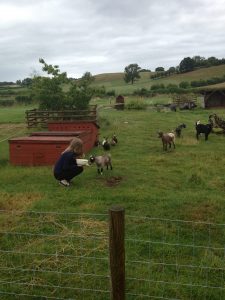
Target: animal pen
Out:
[43,148]
[41,118]
[61,255]
[185,99]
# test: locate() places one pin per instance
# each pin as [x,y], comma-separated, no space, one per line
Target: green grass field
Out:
[187,183]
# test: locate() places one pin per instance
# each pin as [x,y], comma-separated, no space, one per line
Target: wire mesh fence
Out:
[174,259]
[66,256]
[53,256]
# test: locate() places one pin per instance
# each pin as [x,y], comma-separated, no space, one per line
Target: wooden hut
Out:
[119,102]
[213,98]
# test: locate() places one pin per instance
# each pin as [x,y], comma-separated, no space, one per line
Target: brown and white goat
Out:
[101,162]
[114,140]
[167,139]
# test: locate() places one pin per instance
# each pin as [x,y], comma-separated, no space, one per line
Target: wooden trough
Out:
[42,149]
[89,126]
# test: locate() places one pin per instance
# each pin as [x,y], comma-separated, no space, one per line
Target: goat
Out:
[114,140]
[202,128]
[101,162]
[179,129]
[167,139]
[106,144]
[97,143]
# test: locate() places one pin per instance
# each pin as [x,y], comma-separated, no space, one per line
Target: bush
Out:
[157,87]
[23,99]
[136,105]
[111,93]
[99,91]
[141,92]
[184,84]
[6,102]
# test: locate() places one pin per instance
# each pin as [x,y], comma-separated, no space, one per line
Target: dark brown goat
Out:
[167,139]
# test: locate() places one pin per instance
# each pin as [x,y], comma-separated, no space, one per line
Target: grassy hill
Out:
[114,81]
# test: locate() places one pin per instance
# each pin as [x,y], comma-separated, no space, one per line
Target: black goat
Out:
[202,128]
[179,129]
[106,144]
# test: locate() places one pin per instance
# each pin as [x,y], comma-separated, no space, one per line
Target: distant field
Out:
[15,114]
[114,81]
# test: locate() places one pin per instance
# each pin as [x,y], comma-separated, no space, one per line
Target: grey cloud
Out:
[104,35]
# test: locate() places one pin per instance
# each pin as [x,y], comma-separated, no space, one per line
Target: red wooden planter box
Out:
[76,126]
[41,150]
[60,133]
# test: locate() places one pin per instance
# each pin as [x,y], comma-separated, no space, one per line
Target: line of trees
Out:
[4,83]
[188,64]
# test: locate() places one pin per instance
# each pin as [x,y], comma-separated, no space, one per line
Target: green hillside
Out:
[114,81]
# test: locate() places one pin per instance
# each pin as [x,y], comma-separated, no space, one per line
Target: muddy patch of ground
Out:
[113,181]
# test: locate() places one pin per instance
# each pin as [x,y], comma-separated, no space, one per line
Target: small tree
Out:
[50,94]
[172,70]
[87,78]
[186,65]
[159,69]
[131,73]
[48,90]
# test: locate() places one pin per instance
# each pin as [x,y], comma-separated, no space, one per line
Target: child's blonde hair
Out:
[76,145]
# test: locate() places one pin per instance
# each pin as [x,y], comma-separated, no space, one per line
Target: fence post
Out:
[117,253]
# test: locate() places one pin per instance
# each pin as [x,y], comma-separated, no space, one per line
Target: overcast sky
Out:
[104,36]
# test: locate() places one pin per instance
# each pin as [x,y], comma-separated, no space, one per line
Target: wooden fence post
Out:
[117,252]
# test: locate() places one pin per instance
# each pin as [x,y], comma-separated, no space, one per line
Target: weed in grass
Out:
[204,211]
[195,179]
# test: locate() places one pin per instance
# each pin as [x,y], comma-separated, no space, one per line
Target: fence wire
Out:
[174,259]
[53,255]
[65,256]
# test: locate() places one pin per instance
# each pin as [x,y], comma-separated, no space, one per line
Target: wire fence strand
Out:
[65,256]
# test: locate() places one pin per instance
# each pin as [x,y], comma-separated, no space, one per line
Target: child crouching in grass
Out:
[66,167]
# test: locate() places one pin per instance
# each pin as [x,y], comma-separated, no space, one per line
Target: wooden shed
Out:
[119,102]
[213,98]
